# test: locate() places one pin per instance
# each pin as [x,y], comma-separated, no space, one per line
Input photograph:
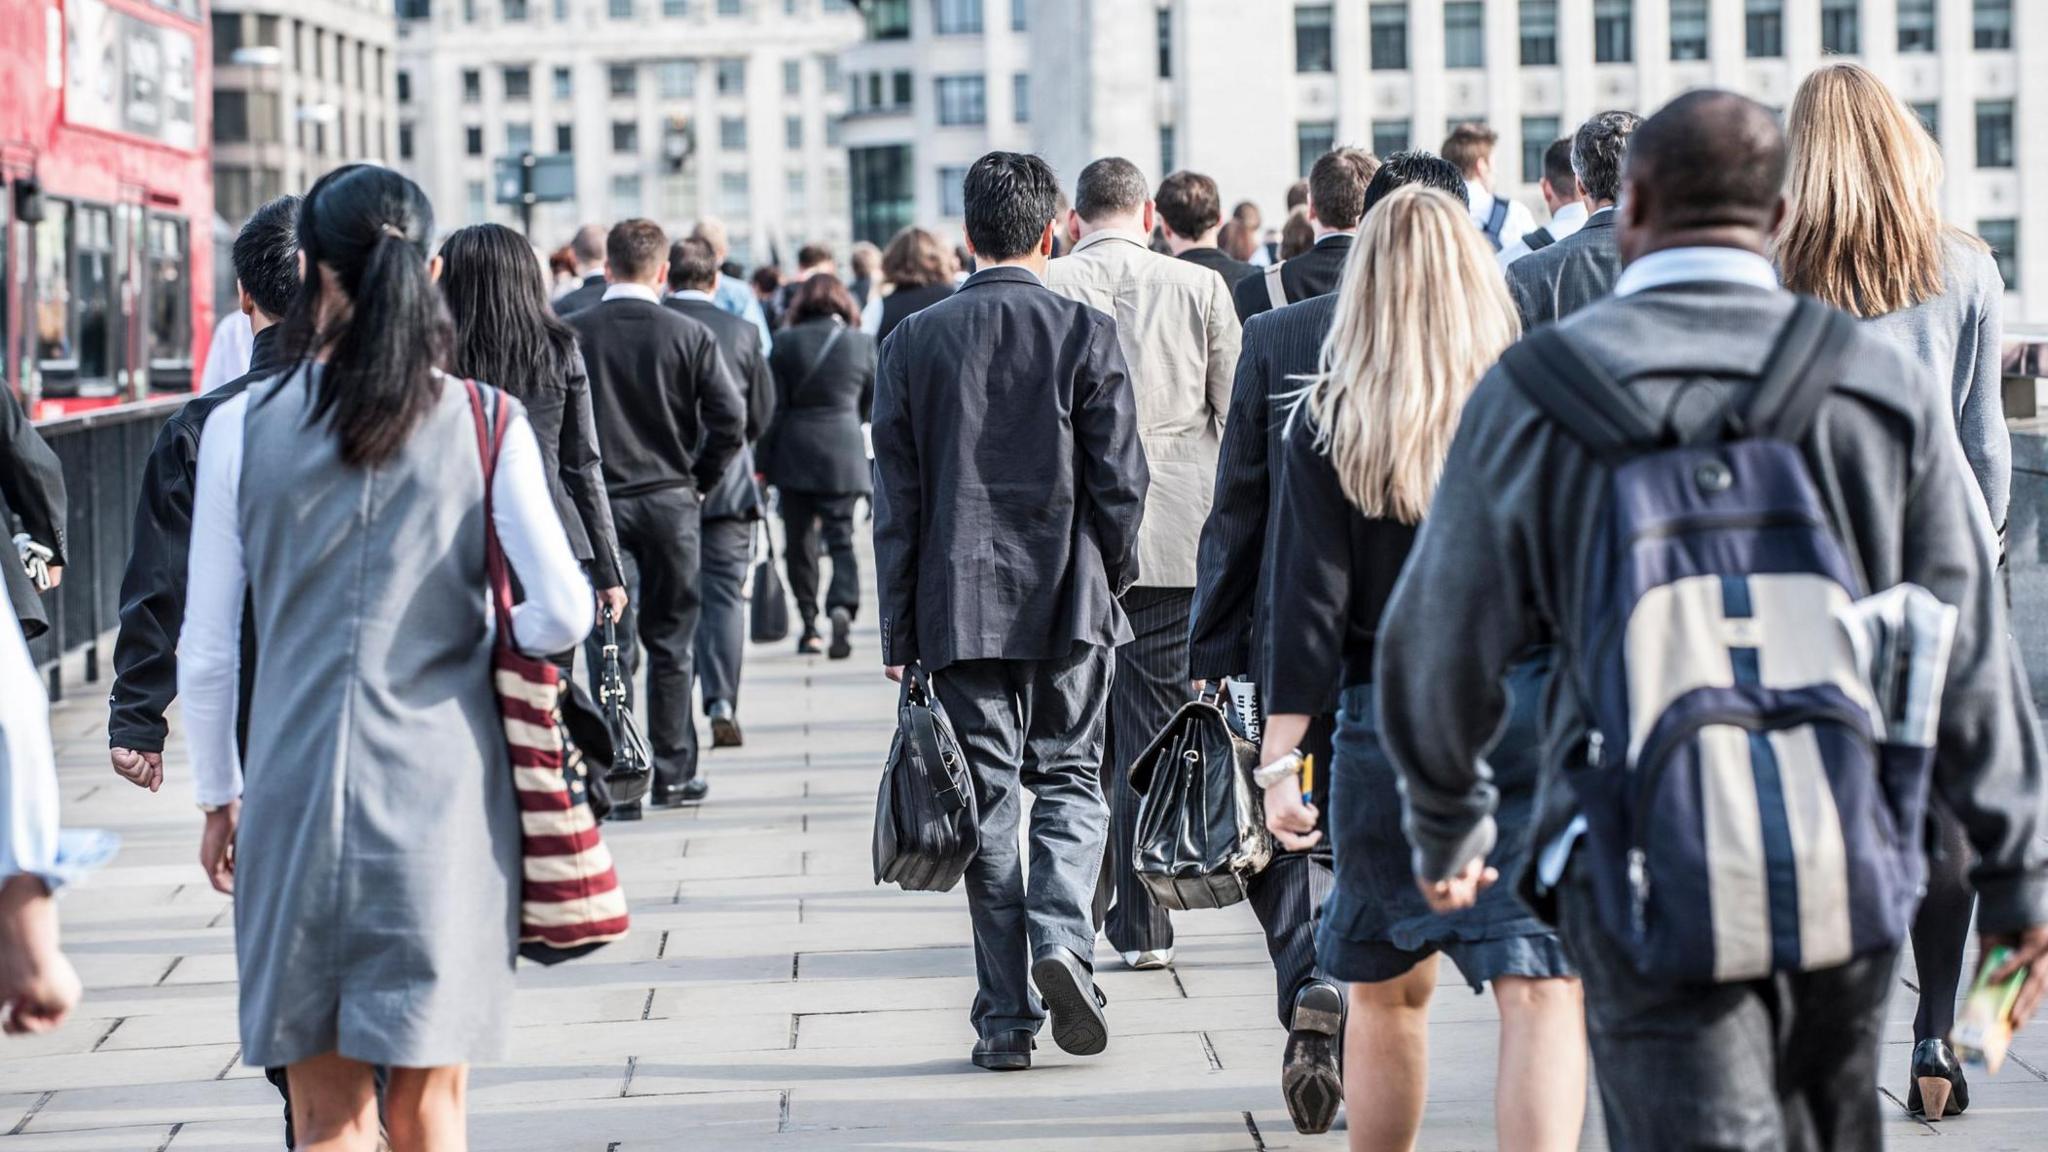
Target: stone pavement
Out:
[770,996]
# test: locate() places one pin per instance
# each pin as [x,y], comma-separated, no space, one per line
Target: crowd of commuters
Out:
[1123,453]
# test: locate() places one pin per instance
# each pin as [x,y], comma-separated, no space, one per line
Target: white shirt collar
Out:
[693,294]
[631,292]
[1692,265]
[1569,218]
[1480,197]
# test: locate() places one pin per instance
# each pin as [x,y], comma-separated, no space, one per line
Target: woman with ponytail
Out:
[371,839]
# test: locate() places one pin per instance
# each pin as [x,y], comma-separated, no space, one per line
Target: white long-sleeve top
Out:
[555,615]
[28,770]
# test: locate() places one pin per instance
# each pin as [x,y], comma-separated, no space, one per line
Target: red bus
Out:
[106,200]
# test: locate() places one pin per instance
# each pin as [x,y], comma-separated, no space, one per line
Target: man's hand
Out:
[56,574]
[1460,891]
[1288,818]
[217,847]
[38,987]
[2030,950]
[894,672]
[613,598]
[142,769]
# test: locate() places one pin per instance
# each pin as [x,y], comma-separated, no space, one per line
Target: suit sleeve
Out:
[760,391]
[153,594]
[31,478]
[1113,469]
[1225,336]
[898,501]
[1309,556]
[1234,536]
[1980,417]
[1249,297]
[582,466]
[721,414]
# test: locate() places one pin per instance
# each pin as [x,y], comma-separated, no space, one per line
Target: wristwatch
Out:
[1267,775]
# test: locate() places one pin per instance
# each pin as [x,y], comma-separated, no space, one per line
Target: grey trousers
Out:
[1778,1065]
[1151,685]
[728,546]
[1033,724]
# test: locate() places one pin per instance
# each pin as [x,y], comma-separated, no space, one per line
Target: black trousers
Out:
[659,539]
[722,632]
[804,516]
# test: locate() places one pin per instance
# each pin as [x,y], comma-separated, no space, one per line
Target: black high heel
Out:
[1938,1088]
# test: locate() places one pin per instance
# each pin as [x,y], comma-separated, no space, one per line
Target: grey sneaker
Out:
[1149,960]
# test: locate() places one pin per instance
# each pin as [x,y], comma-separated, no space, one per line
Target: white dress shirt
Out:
[1566,221]
[227,354]
[630,292]
[1694,265]
[1519,223]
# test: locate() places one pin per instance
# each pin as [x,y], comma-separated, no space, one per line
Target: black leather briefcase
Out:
[925,816]
[1202,823]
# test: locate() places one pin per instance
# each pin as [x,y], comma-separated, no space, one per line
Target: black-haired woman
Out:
[507,334]
[376,874]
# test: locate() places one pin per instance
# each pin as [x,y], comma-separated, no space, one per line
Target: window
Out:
[1165,23]
[621,9]
[732,76]
[413,9]
[55,326]
[623,80]
[1020,15]
[962,100]
[1991,25]
[1389,37]
[1538,134]
[1312,38]
[1614,31]
[92,263]
[1930,118]
[625,136]
[518,137]
[1020,98]
[676,79]
[230,116]
[1168,158]
[678,197]
[479,206]
[1838,27]
[1389,137]
[405,141]
[793,133]
[1688,29]
[732,133]
[405,87]
[733,197]
[469,11]
[565,138]
[472,86]
[1312,139]
[792,77]
[625,196]
[561,11]
[1763,29]
[1539,33]
[227,37]
[731,8]
[519,83]
[675,9]
[953,192]
[1916,25]
[473,140]
[170,300]
[881,196]
[1465,34]
[564,86]
[830,65]
[795,194]
[834,135]
[515,9]
[956,17]
[888,20]
[1994,133]
[2004,238]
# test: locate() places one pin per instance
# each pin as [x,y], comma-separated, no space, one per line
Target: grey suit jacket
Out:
[1551,283]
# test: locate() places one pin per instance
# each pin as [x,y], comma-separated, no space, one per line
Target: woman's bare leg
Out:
[427,1109]
[1540,1098]
[1386,1060]
[334,1104]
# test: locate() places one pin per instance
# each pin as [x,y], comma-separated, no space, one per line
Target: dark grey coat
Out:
[1551,283]
[814,444]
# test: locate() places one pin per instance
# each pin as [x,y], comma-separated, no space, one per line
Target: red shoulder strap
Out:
[490,438]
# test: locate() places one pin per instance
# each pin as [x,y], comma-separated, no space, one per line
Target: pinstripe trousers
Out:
[1151,684]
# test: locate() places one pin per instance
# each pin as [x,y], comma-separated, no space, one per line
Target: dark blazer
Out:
[904,302]
[1227,622]
[153,587]
[1009,481]
[815,444]
[559,413]
[583,296]
[668,407]
[737,497]
[1551,283]
[31,489]
[1217,261]
[1311,274]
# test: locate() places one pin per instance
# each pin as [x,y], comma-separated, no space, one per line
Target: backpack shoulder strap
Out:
[1276,292]
[1539,239]
[1803,367]
[1496,219]
[1582,397]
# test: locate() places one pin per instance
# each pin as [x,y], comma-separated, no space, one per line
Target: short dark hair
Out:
[1336,186]
[1109,186]
[1245,213]
[1709,159]
[812,255]
[818,296]
[1557,167]
[1009,199]
[1468,144]
[692,263]
[635,248]
[1189,203]
[266,256]
[1416,167]
[1297,194]
[766,279]
[1598,148]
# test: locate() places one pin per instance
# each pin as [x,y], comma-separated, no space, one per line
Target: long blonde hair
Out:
[1422,313]
[1864,229]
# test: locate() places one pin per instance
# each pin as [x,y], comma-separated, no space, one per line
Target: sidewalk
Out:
[770,997]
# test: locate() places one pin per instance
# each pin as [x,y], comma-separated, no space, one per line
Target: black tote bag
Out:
[926,830]
[1202,824]
[768,614]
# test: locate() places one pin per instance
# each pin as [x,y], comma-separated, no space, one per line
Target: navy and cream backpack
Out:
[1741,815]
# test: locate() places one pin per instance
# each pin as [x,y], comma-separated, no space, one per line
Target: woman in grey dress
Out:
[371,840]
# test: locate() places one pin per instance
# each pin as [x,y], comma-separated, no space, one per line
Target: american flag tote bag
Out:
[570,901]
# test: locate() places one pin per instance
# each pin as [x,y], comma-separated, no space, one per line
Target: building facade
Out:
[300,86]
[670,109]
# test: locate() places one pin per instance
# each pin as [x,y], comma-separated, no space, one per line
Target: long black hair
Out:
[505,332]
[366,228]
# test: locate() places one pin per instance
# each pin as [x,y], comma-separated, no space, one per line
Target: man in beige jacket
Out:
[1179,334]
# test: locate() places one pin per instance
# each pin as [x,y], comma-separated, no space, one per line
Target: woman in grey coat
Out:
[372,839]
[1864,233]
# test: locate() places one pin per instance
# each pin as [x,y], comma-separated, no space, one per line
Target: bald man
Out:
[1788,1060]
[588,249]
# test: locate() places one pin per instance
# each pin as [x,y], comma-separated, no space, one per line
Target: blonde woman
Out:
[1864,233]
[1421,314]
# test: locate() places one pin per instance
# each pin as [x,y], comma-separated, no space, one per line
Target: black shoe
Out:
[624,812]
[1308,1072]
[725,727]
[1070,995]
[690,791]
[1005,1051]
[842,627]
[810,644]
[1937,1088]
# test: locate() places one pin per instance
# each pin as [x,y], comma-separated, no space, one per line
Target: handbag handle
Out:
[490,439]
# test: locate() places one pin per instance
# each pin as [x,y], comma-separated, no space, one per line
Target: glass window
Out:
[733,197]
[1930,118]
[2004,238]
[54,326]
[1538,134]
[565,86]
[1312,139]
[519,83]
[1916,25]
[1614,31]
[623,80]
[793,132]
[675,9]
[1165,43]
[1991,25]
[170,296]
[830,66]
[952,192]
[515,9]
[676,79]
[881,195]
[518,137]
[621,9]
[472,86]
[888,20]
[405,141]
[93,274]
[1389,137]
[732,76]
[561,11]
[795,194]
[1168,148]
[414,9]
[625,136]
[731,8]
[956,17]
[473,140]
[835,135]
[962,100]
[732,133]
[792,77]
[1539,32]
[625,195]
[1465,34]
[227,37]
[404,88]
[1389,37]
[230,116]
[678,197]
[479,206]
[565,138]
[1839,32]
[1994,133]
[1020,98]
[1763,29]
[1020,15]
[1312,38]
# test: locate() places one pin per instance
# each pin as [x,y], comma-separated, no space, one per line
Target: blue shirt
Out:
[734,296]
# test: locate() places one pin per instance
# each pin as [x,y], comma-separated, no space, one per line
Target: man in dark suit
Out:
[32,488]
[1554,282]
[1227,631]
[1009,487]
[1336,203]
[1190,210]
[734,507]
[588,249]
[669,421]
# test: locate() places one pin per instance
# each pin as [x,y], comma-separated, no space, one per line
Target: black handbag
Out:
[926,820]
[628,770]
[768,614]
[1202,823]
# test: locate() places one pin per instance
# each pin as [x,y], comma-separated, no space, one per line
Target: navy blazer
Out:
[1009,481]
